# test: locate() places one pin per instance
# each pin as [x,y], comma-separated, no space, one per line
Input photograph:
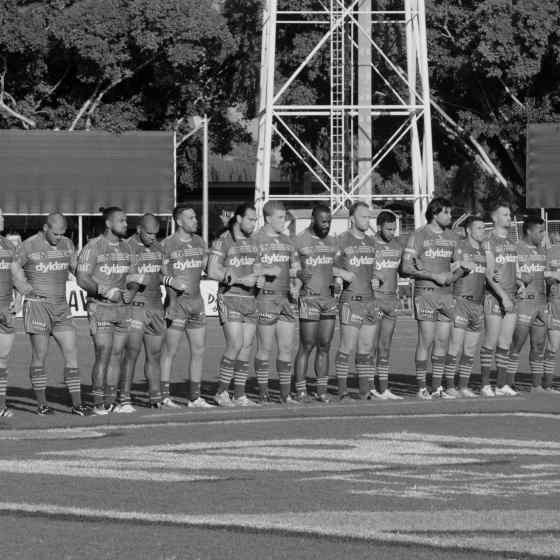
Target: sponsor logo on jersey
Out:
[187,264]
[275,258]
[5,265]
[503,259]
[532,268]
[386,264]
[149,268]
[361,261]
[109,269]
[51,267]
[479,268]
[438,253]
[237,262]
[318,261]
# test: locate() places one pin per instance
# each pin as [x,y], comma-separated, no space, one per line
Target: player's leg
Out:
[349,333]
[114,370]
[439,352]
[66,340]
[196,335]
[493,325]
[266,331]
[455,347]
[520,335]
[552,347]
[133,346]
[6,344]
[426,336]
[308,337]
[171,340]
[241,367]
[364,359]
[536,354]
[152,352]
[102,343]
[386,331]
[39,351]
[470,345]
[502,354]
[322,361]
[233,334]
[285,339]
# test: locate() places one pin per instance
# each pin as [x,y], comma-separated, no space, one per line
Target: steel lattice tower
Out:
[369,80]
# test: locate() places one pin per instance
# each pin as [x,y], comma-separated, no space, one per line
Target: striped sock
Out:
[421,371]
[97,395]
[363,369]
[342,366]
[549,368]
[438,367]
[72,380]
[486,359]
[225,373]
[262,369]
[536,364]
[322,383]
[502,362]
[513,368]
[164,389]
[39,384]
[3,386]
[450,369]
[383,373]
[285,376]
[465,369]
[110,394]
[301,386]
[155,396]
[194,390]
[372,373]
[240,375]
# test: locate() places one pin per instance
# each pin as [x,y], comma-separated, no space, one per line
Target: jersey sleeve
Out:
[413,246]
[87,259]
[21,254]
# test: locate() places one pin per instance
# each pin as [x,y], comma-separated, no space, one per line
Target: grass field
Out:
[439,480]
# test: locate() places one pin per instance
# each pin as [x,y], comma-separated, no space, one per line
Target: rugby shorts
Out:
[433,305]
[553,315]
[468,315]
[185,312]
[149,319]
[41,316]
[493,306]
[236,308]
[356,311]
[7,322]
[532,312]
[275,308]
[108,317]
[389,305]
[315,308]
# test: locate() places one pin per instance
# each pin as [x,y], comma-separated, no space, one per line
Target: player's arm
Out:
[551,276]
[296,273]
[492,281]
[84,276]
[411,265]
[173,286]
[20,281]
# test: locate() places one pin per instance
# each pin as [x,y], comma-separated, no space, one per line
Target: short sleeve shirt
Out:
[471,284]
[388,258]
[107,261]
[357,255]
[184,259]
[553,264]
[7,257]
[532,263]
[239,255]
[46,266]
[147,261]
[505,257]
[317,256]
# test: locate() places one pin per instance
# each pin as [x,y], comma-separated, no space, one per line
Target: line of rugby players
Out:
[269,284]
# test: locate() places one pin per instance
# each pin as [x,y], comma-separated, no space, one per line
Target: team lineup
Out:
[475,292]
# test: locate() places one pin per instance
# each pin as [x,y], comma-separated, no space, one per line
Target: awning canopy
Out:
[79,172]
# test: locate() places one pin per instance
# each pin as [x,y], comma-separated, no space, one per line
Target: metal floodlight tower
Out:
[361,65]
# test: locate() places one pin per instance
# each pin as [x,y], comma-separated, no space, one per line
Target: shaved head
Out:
[56,219]
[148,229]
[149,222]
[55,227]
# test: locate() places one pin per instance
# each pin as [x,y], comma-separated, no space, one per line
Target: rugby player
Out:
[10,275]
[317,305]
[388,257]
[104,265]
[553,322]
[183,262]
[147,323]
[359,313]
[532,316]
[500,306]
[46,258]
[427,259]
[468,289]
[233,263]
[276,301]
